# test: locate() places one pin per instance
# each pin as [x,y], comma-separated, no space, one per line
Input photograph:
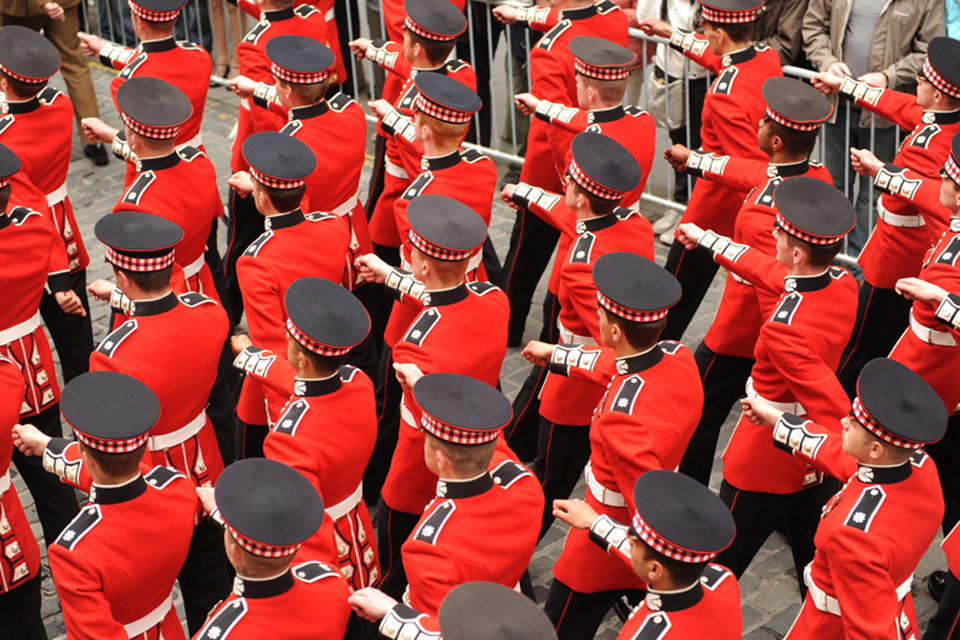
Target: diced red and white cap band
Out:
[939,81]
[440,112]
[126,445]
[664,546]
[158,133]
[133,263]
[276,183]
[951,167]
[793,124]
[299,77]
[260,549]
[4,181]
[626,313]
[797,232]
[870,424]
[410,25]
[455,434]
[25,79]
[151,15]
[438,252]
[592,185]
[600,73]
[317,347]
[731,17]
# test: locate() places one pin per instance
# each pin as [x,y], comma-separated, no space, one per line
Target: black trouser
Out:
[20,611]
[757,515]
[250,439]
[393,529]
[491,261]
[206,574]
[72,334]
[375,186]
[56,502]
[246,225]
[222,404]
[532,242]
[695,270]
[945,622]
[388,392]
[379,302]
[946,453]
[524,427]
[366,355]
[697,93]
[576,615]
[724,378]
[562,452]
[882,315]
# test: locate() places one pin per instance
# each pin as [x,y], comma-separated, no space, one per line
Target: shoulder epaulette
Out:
[160,476]
[292,417]
[583,248]
[481,288]
[48,95]
[633,110]
[220,625]
[422,326]
[623,213]
[547,40]
[139,187]
[254,248]
[417,186]
[348,372]
[312,571]
[724,82]
[866,508]
[134,64]
[291,127]
[189,46]
[194,299]
[838,272]
[918,458]
[339,102]
[319,216]
[454,65]
[508,472]
[627,395]
[19,215]
[258,30]
[80,526]
[950,254]
[189,153]
[606,6]
[6,121]
[713,575]
[472,155]
[117,336]
[655,626]
[787,308]
[430,529]
[670,346]
[305,10]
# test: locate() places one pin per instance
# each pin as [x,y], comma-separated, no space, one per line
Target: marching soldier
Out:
[268,510]
[677,527]
[731,111]
[38,126]
[328,426]
[809,307]
[858,584]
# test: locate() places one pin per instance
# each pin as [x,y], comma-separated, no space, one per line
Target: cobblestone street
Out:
[769,590]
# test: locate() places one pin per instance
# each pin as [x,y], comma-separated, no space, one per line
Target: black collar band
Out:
[677,601]
[639,361]
[940,117]
[154,46]
[579,14]
[440,162]
[884,475]
[309,111]
[444,297]
[466,489]
[596,224]
[807,283]
[4,220]
[317,386]
[115,495]
[23,107]
[284,220]
[278,14]
[154,307]
[791,169]
[263,588]
[607,115]
[739,57]
[159,163]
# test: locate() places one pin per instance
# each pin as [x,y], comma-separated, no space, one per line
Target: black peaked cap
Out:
[446,222]
[25,52]
[279,156]
[635,282]
[440,17]
[796,100]
[153,102]
[600,52]
[108,405]
[489,611]
[901,401]
[300,54]
[447,92]
[944,55]
[462,401]
[605,161]
[815,207]
[326,312]
[9,162]
[137,232]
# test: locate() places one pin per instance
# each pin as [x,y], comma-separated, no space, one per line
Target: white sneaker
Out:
[667,223]
[667,237]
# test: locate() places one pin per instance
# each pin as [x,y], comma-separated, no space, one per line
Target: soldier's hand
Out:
[30,440]
[380,107]
[677,156]
[54,11]
[369,266]
[506,194]
[70,302]
[371,604]
[575,512]
[97,129]
[407,375]
[917,289]
[505,14]
[100,289]
[239,343]
[359,47]
[526,102]
[689,234]
[864,162]
[243,86]
[242,183]
[759,411]
[538,353]
[90,44]
[653,26]
[205,495]
[827,82]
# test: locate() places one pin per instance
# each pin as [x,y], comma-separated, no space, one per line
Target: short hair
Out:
[465,459]
[640,335]
[149,281]
[323,364]
[23,90]
[738,31]
[311,93]
[795,143]
[284,200]
[446,270]
[599,206]
[261,565]
[610,91]
[5,197]
[681,573]
[446,133]
[899,454]
[819,255]
[116,465]
[436,50]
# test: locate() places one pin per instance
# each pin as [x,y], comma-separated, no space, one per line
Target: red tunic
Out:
[173,344]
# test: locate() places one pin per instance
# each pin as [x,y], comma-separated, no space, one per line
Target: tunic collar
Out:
[115,494]
[284,220]
[253,588]
[465,488]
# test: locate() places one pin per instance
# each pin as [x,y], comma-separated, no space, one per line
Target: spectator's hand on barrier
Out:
[380,107]
[240,342]
[29,440]
[505,14]
[677,157]
[507,193]
[206,497]
[97,129]
[875,79]
[838,69]
[69,301]
[90,44]
[243,86]
[864,162]
[407,375]
[653,26]
[371,604]
[826,82]
[54,11]
[689,234]
[575,512]
[359,47]
[538,353]
[526,102]
[917,289]
[242,183]
[100,289]
[759,411]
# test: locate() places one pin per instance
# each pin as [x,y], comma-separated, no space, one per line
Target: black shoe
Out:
[936,583]
[97,153]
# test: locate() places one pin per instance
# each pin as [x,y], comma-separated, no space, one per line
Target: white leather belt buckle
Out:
[931,336]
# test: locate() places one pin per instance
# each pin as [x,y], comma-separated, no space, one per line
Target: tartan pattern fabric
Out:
[436,251]
[299,77]
[317,347]
[158,133]
[588,183]
[730,17]
[455,434]
[952,168]
[861,415]
[600,73]
[260,549]
[4,181]
[792,124]
[440,112]
[26,79]
[630,314]
[797,232]
[131,263]
[125,445]
[662,545]
[276,183]
[151,15]
[939,81]
[410,25]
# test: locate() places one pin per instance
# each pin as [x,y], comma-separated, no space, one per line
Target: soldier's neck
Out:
[431,149]
[733,47]
[782,157]
[149,34]
[135,293]
[571,4]
[623,349]
[431,283]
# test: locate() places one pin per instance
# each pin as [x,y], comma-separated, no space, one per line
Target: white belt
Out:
[406,415]
[395,170]
[4,482]
[740,280]
[330,15]
[195,141]
[344,507]
[897,220]
[193,268]
[787,407]
[931,336]
[346,207]
[57,195]
[569,337]
[18,331]
[149,621]
[172,439]
[245,103]
[829,604]
[603,495]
